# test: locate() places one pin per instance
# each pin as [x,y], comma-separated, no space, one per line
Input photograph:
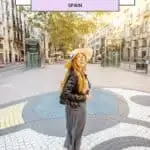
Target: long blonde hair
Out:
[80,74]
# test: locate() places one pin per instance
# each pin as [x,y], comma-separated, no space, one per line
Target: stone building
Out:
[13,30]
[130,27]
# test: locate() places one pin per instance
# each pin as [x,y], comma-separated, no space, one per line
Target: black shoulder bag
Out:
[62,99]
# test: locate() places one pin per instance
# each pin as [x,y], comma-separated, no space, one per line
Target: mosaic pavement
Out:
[118,119]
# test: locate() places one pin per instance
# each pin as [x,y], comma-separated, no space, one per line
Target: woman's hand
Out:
[88,96]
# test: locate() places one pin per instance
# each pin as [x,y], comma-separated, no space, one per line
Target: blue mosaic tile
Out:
[102,103]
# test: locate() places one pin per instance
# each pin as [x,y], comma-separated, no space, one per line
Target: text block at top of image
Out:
[75,5]
[127,2]
[23,2]
[122,2]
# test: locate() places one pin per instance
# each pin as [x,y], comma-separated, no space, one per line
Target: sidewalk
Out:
[131,66]
[11,66]
[38,122]
[31,117]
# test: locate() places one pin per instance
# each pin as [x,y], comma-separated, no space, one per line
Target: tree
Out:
[66,29]
[40,20]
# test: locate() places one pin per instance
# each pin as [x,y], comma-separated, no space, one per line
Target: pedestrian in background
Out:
[75,93]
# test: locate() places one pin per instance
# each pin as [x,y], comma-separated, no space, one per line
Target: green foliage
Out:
[23,9]
[64,28]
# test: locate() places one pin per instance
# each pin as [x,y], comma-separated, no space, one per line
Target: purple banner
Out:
[75,5]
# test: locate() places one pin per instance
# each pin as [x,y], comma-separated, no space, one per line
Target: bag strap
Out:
[66,80]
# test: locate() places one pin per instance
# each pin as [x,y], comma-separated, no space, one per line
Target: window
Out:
[1,46]
[49,45]
[136,43]
[143,54]
[144,42]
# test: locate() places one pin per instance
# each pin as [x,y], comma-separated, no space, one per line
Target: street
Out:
[31,117]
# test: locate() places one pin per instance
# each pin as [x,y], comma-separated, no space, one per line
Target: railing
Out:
[136,67]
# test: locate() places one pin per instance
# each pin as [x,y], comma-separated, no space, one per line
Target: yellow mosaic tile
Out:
[11,116]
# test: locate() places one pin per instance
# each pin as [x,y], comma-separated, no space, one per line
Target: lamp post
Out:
[105,53]
[109,44]
[107,41]
[119,44]
[120,50]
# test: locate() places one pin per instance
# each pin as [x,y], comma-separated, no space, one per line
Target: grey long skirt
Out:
[75,123]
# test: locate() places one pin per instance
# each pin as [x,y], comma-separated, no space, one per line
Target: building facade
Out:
[3,32]
[130,29]
[13,31]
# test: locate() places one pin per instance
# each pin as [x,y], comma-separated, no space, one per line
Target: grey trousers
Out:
[75,123]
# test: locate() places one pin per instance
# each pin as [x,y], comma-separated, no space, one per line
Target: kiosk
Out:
[33,57]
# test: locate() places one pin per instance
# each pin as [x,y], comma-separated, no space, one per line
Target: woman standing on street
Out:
[75,92]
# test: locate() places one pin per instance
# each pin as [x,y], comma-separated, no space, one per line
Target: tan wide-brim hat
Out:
[88,52]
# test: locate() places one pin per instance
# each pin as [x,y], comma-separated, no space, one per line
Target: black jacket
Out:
[70,94]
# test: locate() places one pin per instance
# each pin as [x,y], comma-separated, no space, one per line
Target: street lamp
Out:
[110,49]
[105,53]
[107,42]
[118,42]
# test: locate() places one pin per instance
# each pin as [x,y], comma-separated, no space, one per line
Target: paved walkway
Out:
[131,66]
[118,113]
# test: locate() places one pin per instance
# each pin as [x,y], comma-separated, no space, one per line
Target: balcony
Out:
[134,44]
[142,42]
[127,44]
